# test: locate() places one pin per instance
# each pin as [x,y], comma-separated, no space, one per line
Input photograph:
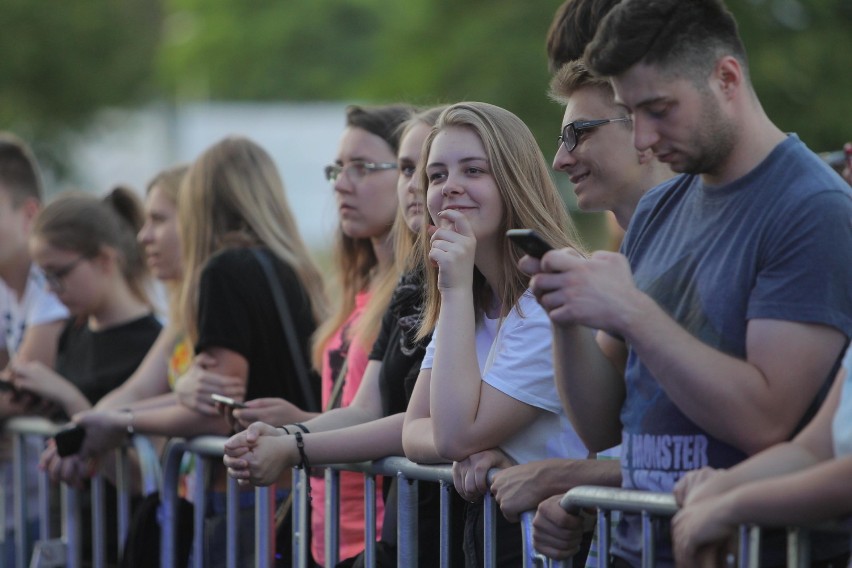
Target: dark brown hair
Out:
[572,28]
[683,38]
[572,77]
[18,169]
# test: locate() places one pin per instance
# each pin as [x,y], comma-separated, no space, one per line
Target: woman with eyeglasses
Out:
[88,252]
[364,178]
[87,249]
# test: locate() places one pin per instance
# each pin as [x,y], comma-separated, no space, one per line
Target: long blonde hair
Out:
[169,182]
[233,194]
[354,258]
[530,200]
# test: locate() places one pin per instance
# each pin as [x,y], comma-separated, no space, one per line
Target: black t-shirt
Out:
[236,311]
[401,356]
[97,362]
[396,347]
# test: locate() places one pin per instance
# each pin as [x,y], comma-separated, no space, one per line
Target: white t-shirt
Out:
[522,367]
[841,426]
[38,306]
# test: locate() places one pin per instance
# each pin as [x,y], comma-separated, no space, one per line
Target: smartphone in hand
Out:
[69,440]
[227,401]
[529,241]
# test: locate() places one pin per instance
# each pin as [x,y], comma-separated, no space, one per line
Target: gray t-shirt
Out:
[774,244]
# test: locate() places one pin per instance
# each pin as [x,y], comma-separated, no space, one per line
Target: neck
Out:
[656,173]
[757,137]
[120,306]
[383,249]
[16,272]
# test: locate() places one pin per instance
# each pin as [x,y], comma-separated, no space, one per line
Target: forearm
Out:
[337,418]
[768,392]
[818,493]
[456,382]
[176,420]
[590,387]
[362,442]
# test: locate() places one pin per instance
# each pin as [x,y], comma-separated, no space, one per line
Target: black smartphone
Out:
[529,241]
[7,386]
[69,440]
[227,401]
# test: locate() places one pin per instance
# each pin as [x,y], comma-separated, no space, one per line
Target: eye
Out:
[407,170]
[436,177]
[658,110]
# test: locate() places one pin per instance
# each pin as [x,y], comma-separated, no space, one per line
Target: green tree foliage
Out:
[61,61]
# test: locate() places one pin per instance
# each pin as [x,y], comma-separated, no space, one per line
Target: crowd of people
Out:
[704,358]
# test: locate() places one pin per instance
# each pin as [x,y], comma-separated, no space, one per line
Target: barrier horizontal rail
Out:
[650,504]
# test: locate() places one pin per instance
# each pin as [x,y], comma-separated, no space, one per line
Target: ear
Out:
[728,75]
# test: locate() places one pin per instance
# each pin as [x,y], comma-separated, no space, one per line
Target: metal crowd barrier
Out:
[207,449]
[409,475]
[650,505]
[65,550]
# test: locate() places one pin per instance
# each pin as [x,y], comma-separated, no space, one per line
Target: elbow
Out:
[454,447]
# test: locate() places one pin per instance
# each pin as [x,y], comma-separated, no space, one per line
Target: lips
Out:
[577,178]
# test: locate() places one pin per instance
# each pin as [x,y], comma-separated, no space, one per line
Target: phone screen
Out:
[227,401]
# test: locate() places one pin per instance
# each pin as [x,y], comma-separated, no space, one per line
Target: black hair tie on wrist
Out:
[300,445]
[286,430]
[301,427]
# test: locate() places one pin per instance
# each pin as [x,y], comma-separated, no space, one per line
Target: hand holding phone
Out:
[529,241]
[227,401]
[69,440]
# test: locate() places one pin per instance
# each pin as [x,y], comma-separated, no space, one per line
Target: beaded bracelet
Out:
[300,445]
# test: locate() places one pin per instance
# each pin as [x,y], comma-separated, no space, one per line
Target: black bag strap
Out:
[289,331]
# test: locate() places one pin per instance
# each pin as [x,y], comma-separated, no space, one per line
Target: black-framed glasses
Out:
[356,170]
[56,278]
[571,132]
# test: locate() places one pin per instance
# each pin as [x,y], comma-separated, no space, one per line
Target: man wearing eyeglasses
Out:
[730,307]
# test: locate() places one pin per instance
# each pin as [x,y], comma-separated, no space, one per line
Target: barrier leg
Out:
[300,518]
[332,516]
[446,505]
[490,531]
[99,543]
[232,514]
[19,474]
[603,538]
[798,547]
[122,473]
[200,505]
[370,520]
[407,522]
[264,526]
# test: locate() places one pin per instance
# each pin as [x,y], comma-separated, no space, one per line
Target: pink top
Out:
[351,484]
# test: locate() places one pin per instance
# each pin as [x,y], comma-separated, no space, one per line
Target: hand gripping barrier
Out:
[66,549]
[207,449]
[409,475]
[650,505]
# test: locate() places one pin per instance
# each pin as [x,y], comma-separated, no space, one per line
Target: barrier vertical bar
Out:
[98,486]
[44,529]
[332,516]
[407,522]
[122,473]
[71,526]
[199,506]
[169,498]
[232,513]
[370,520]
[264,525]
[490,531]
[798,547]
[300,506]
[19,476]
[446,506]
[649,541]
[603,538]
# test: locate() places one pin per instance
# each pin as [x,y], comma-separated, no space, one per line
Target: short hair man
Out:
[572,28]
[731,306]
[31,317]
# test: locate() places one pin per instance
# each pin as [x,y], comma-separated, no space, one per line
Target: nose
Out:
[144,235]
[645,134]
[413,184]
[563,160]
[450,186]
[342,184]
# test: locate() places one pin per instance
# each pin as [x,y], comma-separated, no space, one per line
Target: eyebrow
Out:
[642,104]
[462,161]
